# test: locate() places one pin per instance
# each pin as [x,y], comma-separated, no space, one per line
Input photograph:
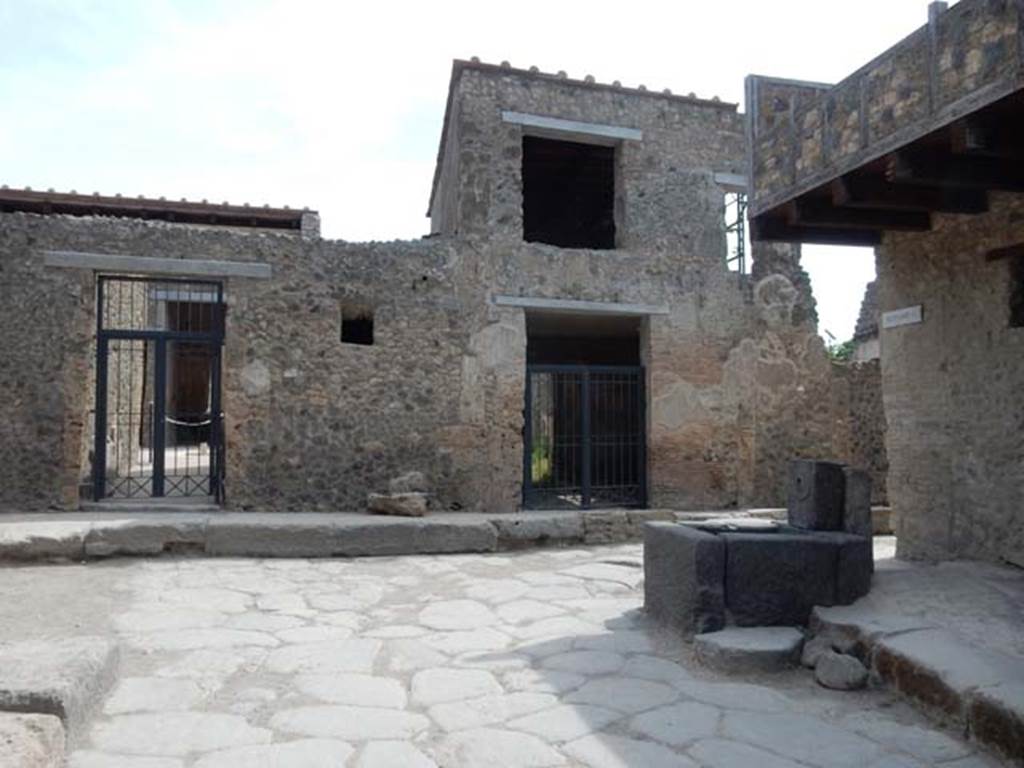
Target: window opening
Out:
[568,193]
[356,325]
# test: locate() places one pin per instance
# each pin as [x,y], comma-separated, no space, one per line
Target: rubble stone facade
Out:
[738,382]
[952,386]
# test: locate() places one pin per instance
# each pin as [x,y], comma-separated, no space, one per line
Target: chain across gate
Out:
[585,437]
[159,425]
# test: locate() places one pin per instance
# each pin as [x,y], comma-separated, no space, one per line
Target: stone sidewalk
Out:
[155,529]
[526,659]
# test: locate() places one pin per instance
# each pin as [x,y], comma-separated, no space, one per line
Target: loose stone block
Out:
[411,504]
[840,672]
[775,579]
[31,741]
[684,577]
[816,495]
[857,502]
[757,649]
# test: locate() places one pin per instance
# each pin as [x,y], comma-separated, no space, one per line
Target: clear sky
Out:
[338,105]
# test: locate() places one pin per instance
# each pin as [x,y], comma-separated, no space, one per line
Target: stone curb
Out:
[65,678]
[979,690]
[89,535]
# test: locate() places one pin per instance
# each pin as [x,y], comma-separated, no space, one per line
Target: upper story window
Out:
[568,193]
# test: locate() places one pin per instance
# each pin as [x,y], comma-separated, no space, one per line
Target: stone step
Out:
[66,678]
[980,690]
[31,741]
[746,650]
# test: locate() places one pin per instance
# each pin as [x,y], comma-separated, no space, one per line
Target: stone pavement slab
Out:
[31,741]
[411,661]
[64,677]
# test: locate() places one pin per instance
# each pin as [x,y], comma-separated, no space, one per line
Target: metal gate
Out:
[159,426]
[585,437]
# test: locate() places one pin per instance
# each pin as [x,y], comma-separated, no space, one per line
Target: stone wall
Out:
[953,387]
[738,380]
[868,426]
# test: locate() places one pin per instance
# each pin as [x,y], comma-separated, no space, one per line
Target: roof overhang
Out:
[933,125]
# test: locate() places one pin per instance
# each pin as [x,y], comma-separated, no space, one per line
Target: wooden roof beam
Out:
[775,229]
[814,213]
[872,192]
[980,173]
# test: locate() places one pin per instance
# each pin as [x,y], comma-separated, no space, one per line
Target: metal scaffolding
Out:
[736,230]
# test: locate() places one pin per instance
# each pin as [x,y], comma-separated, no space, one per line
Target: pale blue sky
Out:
[338,105]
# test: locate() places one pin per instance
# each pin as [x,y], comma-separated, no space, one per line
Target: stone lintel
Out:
[580,307]
[592,133]
[732,182]
[147,265]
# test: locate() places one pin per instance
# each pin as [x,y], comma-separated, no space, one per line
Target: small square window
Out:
[356,325]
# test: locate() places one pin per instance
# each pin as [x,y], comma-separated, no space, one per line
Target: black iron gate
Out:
[585,437]
[159,426]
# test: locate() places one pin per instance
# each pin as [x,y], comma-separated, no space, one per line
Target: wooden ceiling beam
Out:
[951,171]
[777,229]
[815,213]
[873,192]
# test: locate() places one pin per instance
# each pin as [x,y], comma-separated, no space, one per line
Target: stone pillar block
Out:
[855,567]
[816,494]
[775,579]
[857,503]
[684,577]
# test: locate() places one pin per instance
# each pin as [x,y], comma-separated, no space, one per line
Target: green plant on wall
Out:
[540,461]
[841,352]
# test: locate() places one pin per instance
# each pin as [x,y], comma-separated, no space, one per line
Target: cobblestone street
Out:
[531,659]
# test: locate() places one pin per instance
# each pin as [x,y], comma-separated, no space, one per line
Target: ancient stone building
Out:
[569,334]
[918,153]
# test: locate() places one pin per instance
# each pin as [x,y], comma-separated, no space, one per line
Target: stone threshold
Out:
[978,690]
[96,534]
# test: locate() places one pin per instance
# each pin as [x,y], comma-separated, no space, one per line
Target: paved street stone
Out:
[496,749]
[626,694]
[607,751]
[304,753]
[437,686]
[534,659]
[91,759]
[457,614]
[152,694]
[802,738]
[585,662]
[565,722]
[677,724]
[487,710]
[176,733]
[360,690]
[346,722]
[393,754]
[719,753]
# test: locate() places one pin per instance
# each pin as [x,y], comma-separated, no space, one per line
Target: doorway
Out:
[585,423]
[158,420]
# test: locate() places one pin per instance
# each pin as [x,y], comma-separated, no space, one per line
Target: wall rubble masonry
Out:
[738,380]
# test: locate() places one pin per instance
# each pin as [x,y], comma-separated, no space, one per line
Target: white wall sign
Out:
[905,316]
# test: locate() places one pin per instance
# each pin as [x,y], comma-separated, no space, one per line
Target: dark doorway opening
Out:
[568,193]
[585,426]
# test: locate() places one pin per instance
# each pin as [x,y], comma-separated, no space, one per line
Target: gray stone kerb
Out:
[85,535]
